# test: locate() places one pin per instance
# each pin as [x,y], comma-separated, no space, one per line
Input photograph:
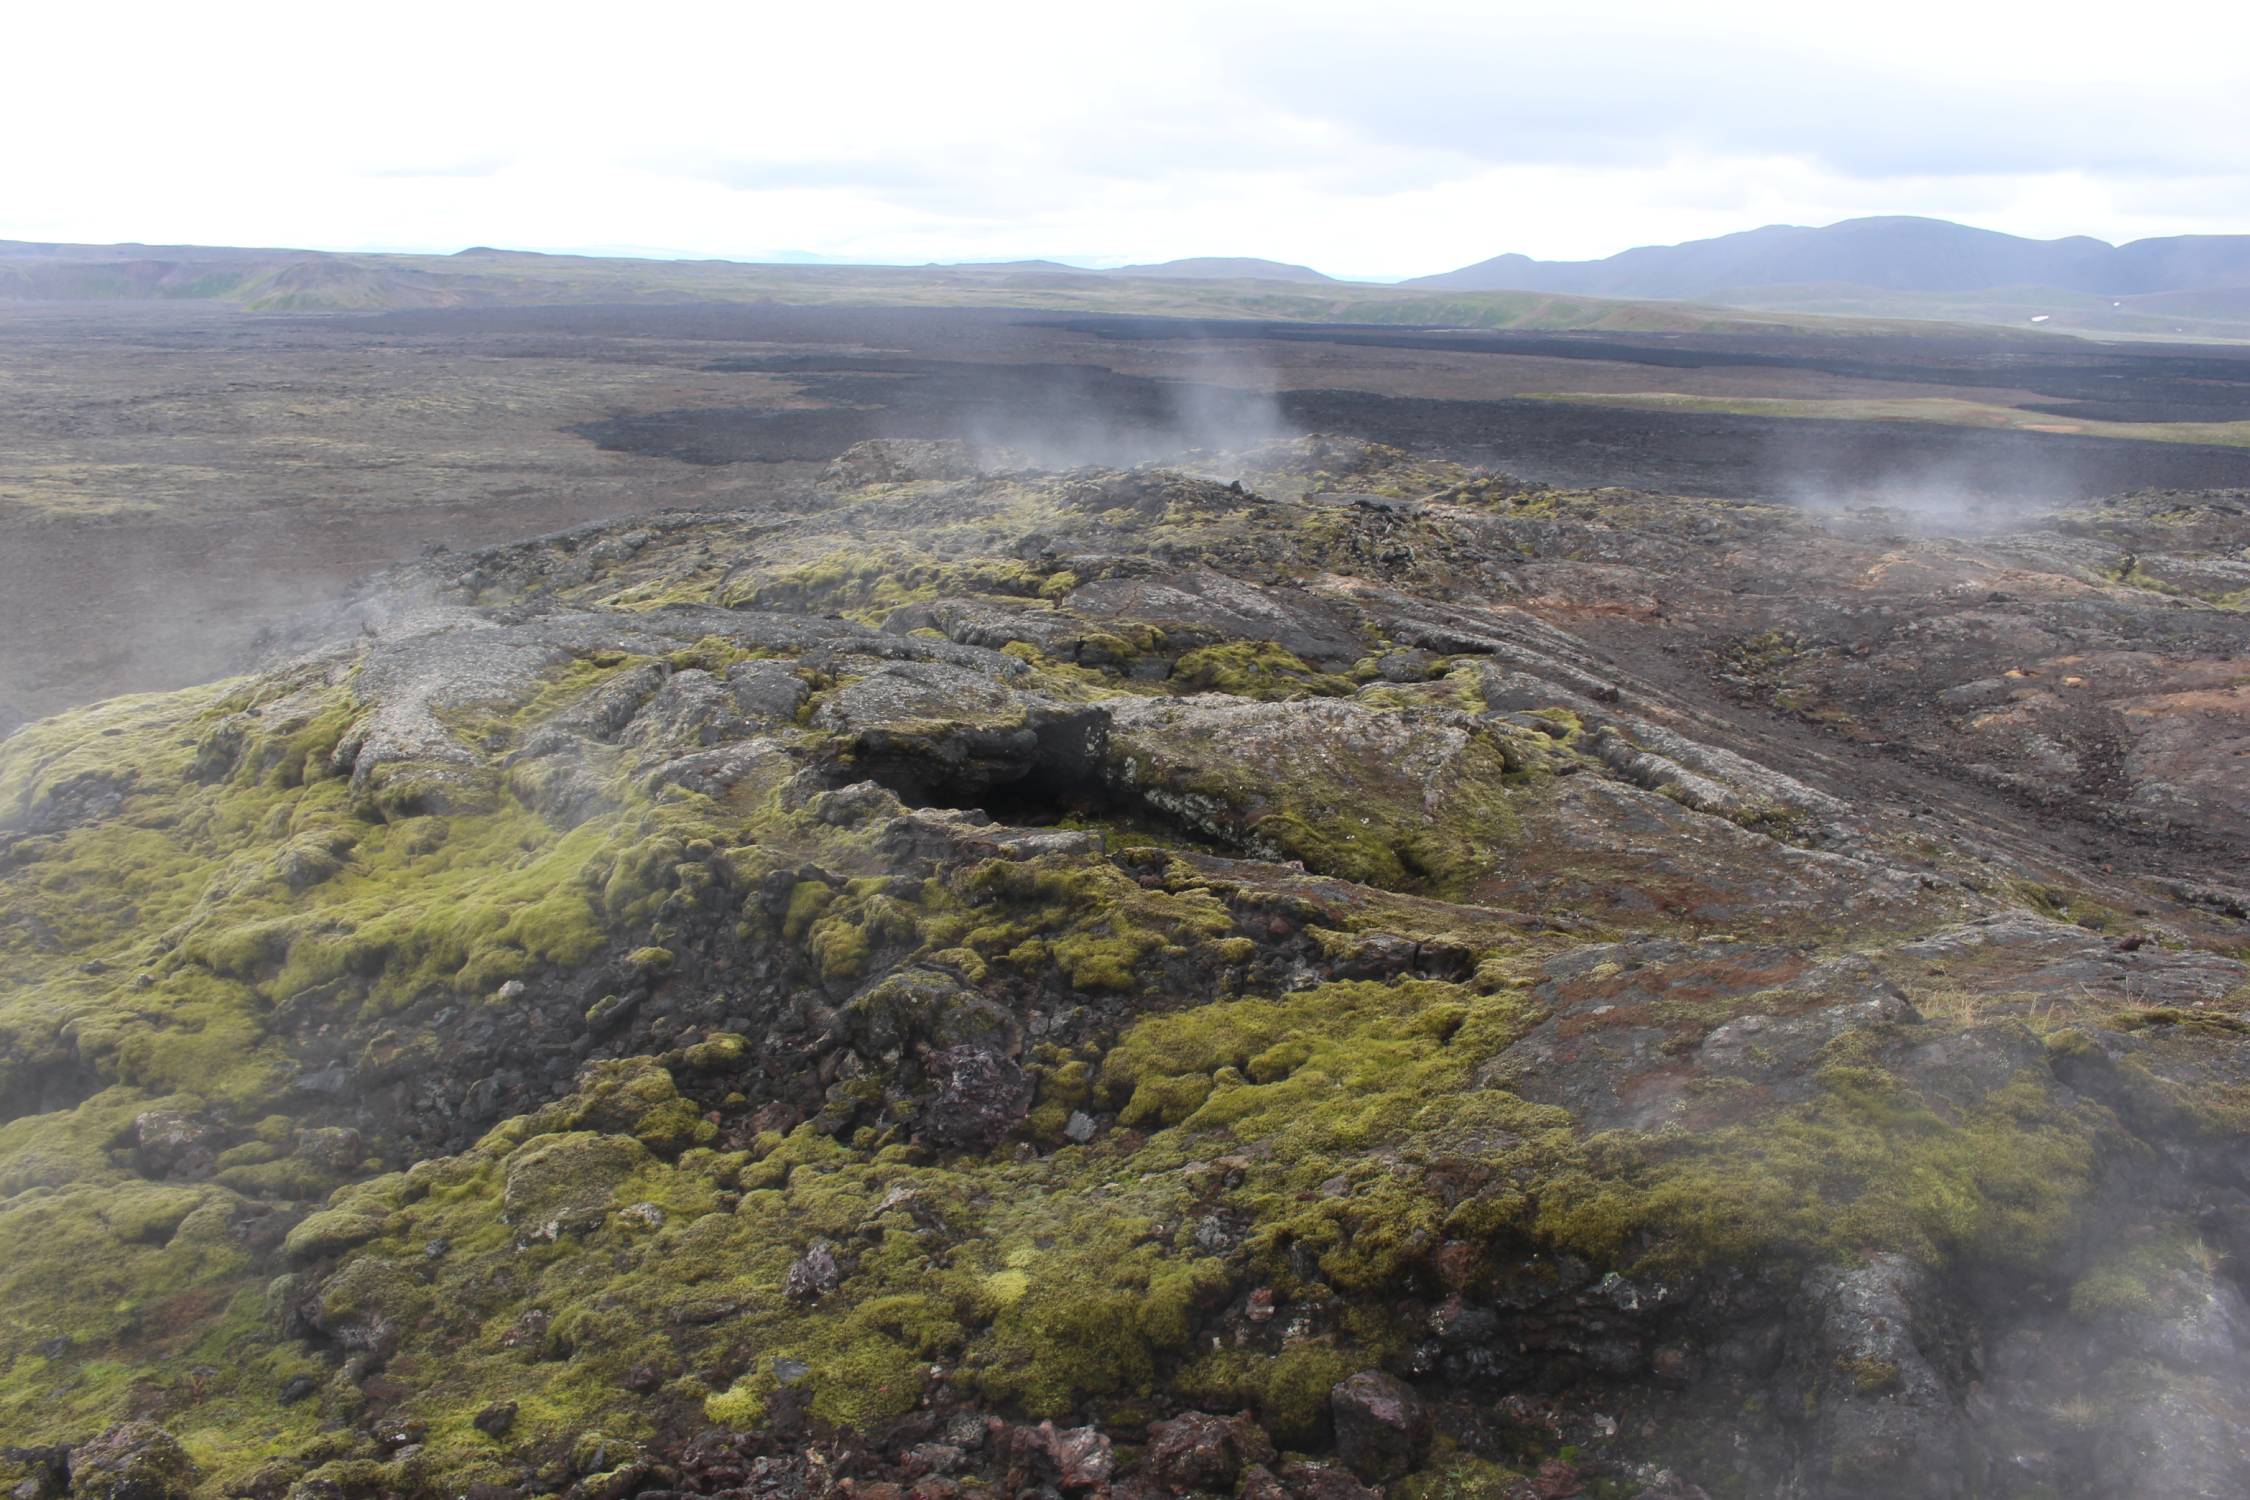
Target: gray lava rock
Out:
[923,1005]
[1199,605]
[169,1143]
[332,1148]
[767,690]
[900,461]
[84,797]
[1887,1422]
[45,1470]
[934,1458]
[692,708]
[132,1461]
[924,727]
[815,1274]
[1406,666]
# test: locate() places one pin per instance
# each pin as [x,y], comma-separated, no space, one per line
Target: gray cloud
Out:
[1587,98]
[1413,137]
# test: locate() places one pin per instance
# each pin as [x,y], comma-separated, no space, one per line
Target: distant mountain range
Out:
[1881,270]
[1884,254]
[1878,267]
[311,281]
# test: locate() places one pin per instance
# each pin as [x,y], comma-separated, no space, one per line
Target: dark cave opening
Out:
[1047,796]
[1062,792]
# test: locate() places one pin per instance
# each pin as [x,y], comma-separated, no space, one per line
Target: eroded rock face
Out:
[1887,1416]
[1130,984]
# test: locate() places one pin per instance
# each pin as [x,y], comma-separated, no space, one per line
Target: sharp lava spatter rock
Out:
[1121,983]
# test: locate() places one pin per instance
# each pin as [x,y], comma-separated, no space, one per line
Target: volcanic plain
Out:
[176,478]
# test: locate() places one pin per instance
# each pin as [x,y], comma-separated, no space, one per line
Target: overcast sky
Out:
[1377,140]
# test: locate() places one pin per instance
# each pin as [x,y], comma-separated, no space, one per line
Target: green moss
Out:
[2209,1022]
[1093,922]
[853,926]
[1165,1101]
[370,1291]
[1288,1390]
[1094,1319]
[1864,1165]
[558,1184]
[807,900]
[325,1234]
[869,1381]
[1457,1475]
[1344,1068]
[868,585]
[1254,669]
[170,927]
[1235,950]
[1764,658]
[737,1408]
[2061,904]
[1870,1376]
[718,1052]
[2142,1280]
[840,948]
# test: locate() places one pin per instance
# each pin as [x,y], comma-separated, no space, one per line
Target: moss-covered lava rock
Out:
[1018,980]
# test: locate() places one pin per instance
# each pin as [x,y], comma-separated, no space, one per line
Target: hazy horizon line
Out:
[1069,260]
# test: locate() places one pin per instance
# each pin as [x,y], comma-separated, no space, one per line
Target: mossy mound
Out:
[839,991]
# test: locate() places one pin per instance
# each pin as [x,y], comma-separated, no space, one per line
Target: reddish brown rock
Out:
[1260,1483]
[1382,1427]
[1557,1480]
[1073,1459]
[1198,1451]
